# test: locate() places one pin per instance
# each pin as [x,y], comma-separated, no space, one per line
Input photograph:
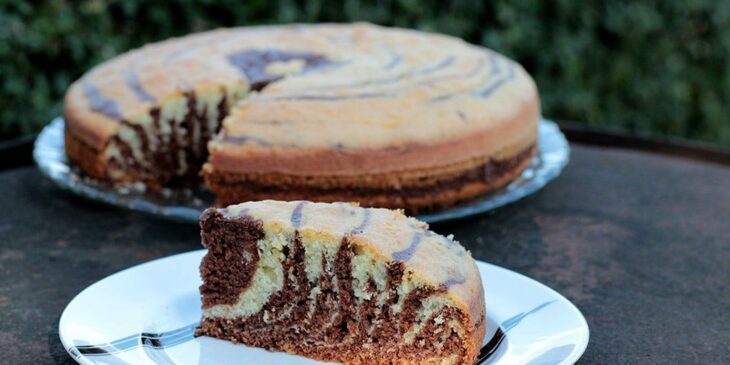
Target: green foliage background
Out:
[657,67]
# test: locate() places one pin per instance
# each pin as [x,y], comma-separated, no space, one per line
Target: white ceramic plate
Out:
[187,204]
[147,314]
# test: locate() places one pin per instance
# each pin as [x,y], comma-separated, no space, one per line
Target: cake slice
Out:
[336,282]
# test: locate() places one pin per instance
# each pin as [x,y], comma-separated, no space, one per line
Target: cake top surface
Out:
[330,86]
[434,258]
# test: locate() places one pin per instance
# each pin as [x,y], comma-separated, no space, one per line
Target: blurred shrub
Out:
[652,66]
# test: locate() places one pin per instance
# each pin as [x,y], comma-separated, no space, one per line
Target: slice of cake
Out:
[385,117]
[336,282]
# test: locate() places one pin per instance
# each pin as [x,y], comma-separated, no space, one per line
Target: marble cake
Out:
[336,282]
[333,112]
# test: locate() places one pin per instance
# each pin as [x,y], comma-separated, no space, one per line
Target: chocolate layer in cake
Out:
[164,147]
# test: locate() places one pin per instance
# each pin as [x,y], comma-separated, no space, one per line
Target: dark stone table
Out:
[638,241]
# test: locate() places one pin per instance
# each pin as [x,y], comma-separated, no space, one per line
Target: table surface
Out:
[637,240]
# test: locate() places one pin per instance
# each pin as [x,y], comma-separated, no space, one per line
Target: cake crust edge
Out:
[413,193]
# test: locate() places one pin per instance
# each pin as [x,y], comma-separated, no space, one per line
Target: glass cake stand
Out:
[187,204]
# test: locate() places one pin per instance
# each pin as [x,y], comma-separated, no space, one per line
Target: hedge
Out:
[658,67]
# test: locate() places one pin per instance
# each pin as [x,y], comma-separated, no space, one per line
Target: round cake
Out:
[334,112]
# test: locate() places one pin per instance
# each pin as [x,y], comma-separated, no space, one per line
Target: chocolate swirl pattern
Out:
[254,63]
[100,103]
[302,282]
[406,254]
[135,85]
[307,103]
[363,224]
